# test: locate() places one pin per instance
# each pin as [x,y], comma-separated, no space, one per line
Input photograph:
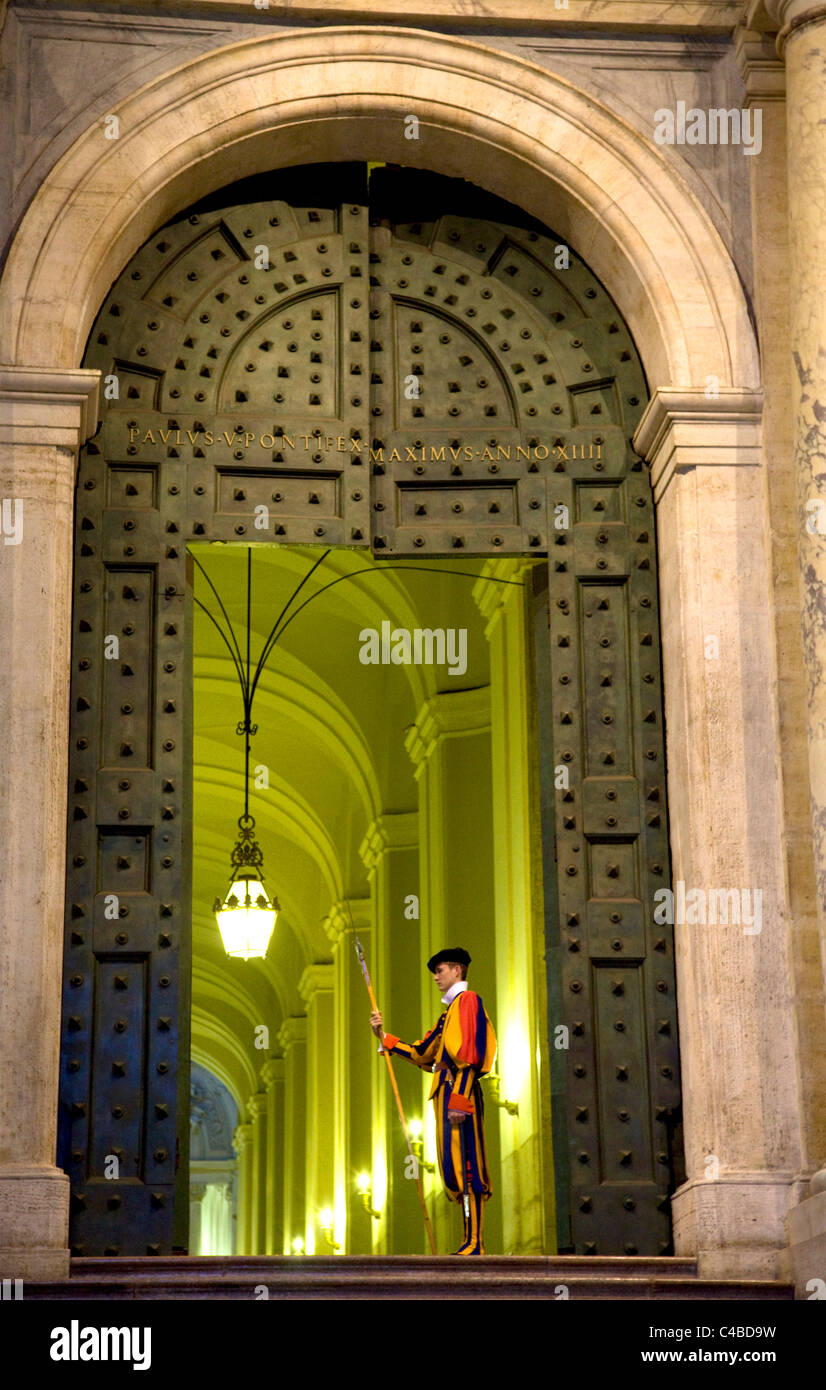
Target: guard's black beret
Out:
[455,956]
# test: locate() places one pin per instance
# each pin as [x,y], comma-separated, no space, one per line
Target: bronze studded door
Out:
[234,351]
[424,370]
[506,389]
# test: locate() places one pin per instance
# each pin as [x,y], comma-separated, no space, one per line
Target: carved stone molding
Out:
[760,66]
[687,429]
[44,406]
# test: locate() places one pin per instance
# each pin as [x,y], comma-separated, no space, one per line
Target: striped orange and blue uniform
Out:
[459,1049]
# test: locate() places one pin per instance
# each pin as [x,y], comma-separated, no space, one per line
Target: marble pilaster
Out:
[801,42]
[353,1059]
[519,923]
[450,747]
[737,1022]
[390,854]
[216,1179]
[316,989]
[292,1039]
[44,416]
[242,1142]
[197,1192]
[764,76]
[257,1111]
[272,1079]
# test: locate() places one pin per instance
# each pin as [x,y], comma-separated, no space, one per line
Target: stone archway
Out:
[551,149]
[276,102]
[259,346]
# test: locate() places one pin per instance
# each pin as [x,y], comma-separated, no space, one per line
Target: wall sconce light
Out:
[494,1081]
[297,1246]
[366,1193]
[325,1221]
[415,1129]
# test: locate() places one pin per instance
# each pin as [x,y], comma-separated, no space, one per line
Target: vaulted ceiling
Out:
[331,736]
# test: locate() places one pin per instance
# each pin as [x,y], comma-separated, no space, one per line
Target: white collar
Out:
[454,991]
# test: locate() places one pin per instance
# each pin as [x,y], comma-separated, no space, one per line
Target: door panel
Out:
[485,372]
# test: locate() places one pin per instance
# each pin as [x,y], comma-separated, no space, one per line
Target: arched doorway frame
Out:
[276,102]
[569,161]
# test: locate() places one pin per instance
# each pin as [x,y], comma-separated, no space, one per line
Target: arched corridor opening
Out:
[394,798]
[401,799]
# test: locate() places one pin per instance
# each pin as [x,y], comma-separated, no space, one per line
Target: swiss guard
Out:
[459,1049]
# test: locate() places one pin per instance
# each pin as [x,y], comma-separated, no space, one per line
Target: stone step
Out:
[399,1277]
[549,1266]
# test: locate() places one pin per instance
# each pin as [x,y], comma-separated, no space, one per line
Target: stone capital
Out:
[687,429]
[388,832]
[293,1030]
[344,915]
[271,1072]
[761,67]
[242,1138]
[783,12]
[499,580]
[213,1171]
[257,1105]
[789,16]
[465,712]
[315,979]
[39,406]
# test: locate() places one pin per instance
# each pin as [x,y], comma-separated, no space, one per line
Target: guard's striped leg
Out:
[473,1227]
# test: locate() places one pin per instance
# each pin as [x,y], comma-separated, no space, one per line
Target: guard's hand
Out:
[456,1117]
[376,1024]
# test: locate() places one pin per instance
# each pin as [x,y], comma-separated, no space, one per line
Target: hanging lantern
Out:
[246,917]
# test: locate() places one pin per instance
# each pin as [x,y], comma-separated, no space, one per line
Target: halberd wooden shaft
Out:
[425,1213]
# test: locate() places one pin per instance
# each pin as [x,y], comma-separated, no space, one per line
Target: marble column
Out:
[44,417]
[354,1050]
[735,992]
[390,854]
[528,1225]
[450,747]
[272,1079]
[316,989]
[226,1228]
[257,1111]
[801,43]
[214,1180]
[292,1039]
[765,81]
[242,1143]
[197,1193]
